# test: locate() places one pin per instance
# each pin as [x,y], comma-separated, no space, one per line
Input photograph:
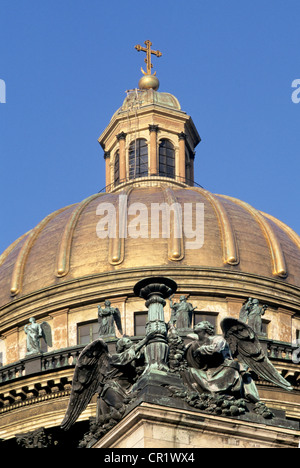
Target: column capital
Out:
[5,334]
[182,136]
[153,128]
[121,136]
[59,313]
[106,154]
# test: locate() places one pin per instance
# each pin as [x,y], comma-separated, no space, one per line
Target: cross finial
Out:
[148,51]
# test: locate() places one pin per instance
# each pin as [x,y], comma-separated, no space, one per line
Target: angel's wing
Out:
[90,370]
[191,312]
[245,346]
[117,317]
[47,333]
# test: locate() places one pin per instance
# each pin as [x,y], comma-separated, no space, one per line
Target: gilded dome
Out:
[238,240]
[152,221]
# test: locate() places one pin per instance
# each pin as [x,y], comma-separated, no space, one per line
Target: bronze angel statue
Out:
[221,364]
[111,377]
[35,331]
[182,312]
[107,318]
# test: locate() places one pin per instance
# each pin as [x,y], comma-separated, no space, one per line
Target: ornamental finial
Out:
[149,80]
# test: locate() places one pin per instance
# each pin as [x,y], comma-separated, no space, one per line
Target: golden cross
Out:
[148,51]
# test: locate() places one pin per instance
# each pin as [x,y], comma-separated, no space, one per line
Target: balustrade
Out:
[67,357]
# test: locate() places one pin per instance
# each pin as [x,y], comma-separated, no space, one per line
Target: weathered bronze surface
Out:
[34,332]
[210,373]
[252,313]
[108,317]
[182,313]
[155,290]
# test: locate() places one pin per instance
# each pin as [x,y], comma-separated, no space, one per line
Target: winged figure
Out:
[221,364]
[107,318]
[182,312]
[47,333]
[245,346]
[110,376]
[35,331]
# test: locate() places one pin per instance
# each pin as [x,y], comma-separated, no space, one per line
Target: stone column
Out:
[121,137]
[153,129]
[107,171]
[181,168]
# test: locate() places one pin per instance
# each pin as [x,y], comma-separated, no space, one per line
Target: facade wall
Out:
[282,323]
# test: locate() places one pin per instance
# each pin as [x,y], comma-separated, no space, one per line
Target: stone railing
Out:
[280,351]
[38,363]
[67,357]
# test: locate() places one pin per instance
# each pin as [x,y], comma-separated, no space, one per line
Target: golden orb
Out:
[149,82]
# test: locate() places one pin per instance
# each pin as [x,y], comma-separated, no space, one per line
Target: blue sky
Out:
[67,64]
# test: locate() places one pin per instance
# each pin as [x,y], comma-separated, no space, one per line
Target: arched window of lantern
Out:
[138,158]
[166,154]
[117,168]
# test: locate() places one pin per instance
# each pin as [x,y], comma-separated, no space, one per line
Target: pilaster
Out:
[153,129]
[60,329]
[121,137]
[11,338]
[181,168]
[107,169]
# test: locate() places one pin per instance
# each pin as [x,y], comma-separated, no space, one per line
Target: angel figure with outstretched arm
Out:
[110,376]
[108,317]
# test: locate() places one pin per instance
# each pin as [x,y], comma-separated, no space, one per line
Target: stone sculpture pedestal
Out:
[150,425]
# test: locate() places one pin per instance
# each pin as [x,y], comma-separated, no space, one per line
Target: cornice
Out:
[175,115]
[196,280]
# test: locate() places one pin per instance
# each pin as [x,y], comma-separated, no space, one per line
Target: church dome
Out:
[239,242]
[153,220]
[148,97]
[143,98]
